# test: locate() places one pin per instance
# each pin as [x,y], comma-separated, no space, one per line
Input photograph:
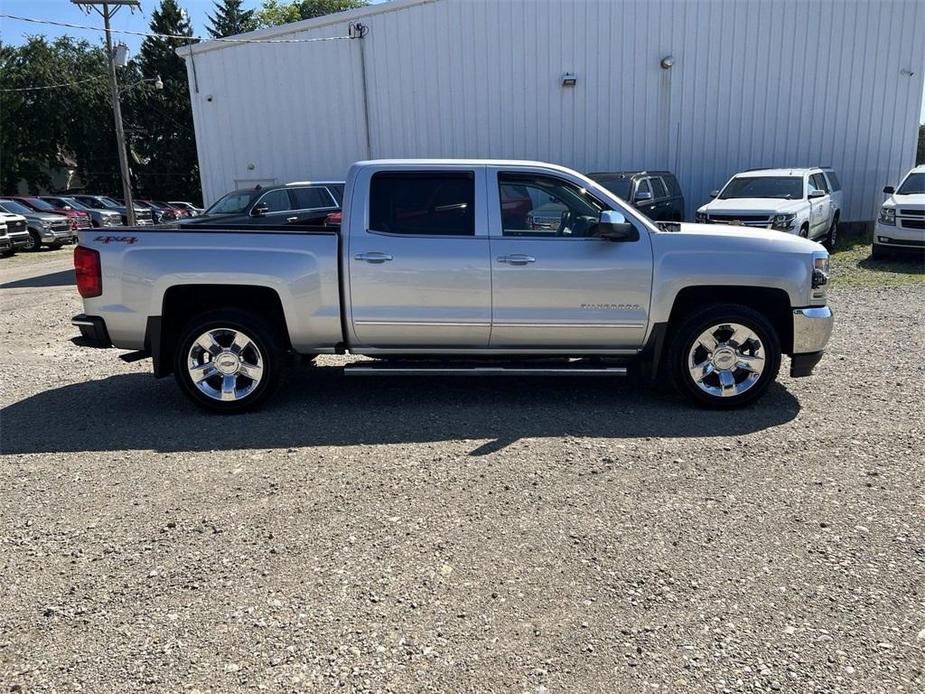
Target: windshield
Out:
[913,185]
[782,187]
[109,202]
[41,205]
[619,186]
[16,207]
[233,203]
[73,203]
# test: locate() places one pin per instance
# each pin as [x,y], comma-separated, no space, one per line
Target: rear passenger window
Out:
[833,180]
[427,203]
[673,188]
[658,188]
[276,200]
[307,198]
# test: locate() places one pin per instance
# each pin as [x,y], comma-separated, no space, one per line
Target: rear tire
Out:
[831,238]
[228,361]
[724,356]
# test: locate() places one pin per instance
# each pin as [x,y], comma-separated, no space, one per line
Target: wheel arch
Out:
[183,302]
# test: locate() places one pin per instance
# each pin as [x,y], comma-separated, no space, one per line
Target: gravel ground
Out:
[460,535]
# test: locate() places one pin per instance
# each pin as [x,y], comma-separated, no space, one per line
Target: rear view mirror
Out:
[714,193]
[614,227]
[889,190]
[260,209]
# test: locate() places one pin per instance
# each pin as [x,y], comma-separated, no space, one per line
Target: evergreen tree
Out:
[162,143]
[229,19]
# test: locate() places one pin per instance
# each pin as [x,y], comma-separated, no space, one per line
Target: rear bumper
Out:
[93,331]
[812,327]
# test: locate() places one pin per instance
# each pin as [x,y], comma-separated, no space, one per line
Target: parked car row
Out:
[28,222]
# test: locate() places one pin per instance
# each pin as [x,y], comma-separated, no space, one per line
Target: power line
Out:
[183,37]
[52,86]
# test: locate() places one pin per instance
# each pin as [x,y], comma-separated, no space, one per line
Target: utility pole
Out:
[107,13]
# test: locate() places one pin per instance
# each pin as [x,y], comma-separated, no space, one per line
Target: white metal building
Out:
[752,83]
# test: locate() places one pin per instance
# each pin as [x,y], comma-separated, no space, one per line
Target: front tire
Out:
[724,356]
[34,243]
[228,361]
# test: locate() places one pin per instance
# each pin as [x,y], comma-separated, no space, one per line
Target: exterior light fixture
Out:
[667,62]
[569,80]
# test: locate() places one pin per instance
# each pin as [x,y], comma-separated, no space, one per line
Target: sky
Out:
[64,11]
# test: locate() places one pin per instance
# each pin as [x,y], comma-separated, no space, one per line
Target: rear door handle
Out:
[374,257]
[291,220]
[516,259]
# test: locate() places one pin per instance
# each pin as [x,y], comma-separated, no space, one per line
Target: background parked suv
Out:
[806,202]
[901,224]
[654,193]
[304,202]
[17,231]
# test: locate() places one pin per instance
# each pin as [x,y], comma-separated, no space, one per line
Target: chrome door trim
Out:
[442,324]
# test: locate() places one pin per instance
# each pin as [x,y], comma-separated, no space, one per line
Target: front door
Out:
[419,267]
[557,286]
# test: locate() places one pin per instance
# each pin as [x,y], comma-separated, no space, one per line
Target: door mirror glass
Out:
[889,190]
[260,209]
[614,227]
[642,196]
[816,193]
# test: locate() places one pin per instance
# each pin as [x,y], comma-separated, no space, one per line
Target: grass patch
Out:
[852,266]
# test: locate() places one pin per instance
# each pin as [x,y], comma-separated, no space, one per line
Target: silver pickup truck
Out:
[437,268]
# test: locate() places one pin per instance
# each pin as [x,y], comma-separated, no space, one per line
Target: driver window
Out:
[545,207]
[276,200]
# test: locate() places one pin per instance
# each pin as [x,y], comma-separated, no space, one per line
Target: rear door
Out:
[563,288]
[662,206]
[418,259]
[311,204]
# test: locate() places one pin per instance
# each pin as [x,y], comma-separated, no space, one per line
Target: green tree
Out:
[161,140]
[230,19]
[276,12]
[41,129]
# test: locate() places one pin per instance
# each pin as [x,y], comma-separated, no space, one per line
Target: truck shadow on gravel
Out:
[321,407]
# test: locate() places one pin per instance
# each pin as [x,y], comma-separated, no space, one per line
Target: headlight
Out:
[701,217]
[782,222]
[820,270]
[887,216]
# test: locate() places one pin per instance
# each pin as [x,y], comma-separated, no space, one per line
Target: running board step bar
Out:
[451,369]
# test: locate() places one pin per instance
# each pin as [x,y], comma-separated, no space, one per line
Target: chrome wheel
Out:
[225,364]
[726,360]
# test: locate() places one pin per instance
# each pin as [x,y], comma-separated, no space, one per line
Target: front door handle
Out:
[374,257]
[516,259]
[291,220]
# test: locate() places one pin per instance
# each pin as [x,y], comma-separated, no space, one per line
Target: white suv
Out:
[797,201]
[901,223]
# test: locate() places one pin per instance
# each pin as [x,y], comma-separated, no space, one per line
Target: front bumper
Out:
[57,235]
[898,237]
[812,327]
[93,331]
[19,240]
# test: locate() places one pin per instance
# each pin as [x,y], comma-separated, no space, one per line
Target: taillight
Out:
[89,272]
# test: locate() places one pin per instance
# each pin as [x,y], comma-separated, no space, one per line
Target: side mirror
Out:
[889,190]
[642,196]
[260,209]
[714,193]
[816,193]
[614,227]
